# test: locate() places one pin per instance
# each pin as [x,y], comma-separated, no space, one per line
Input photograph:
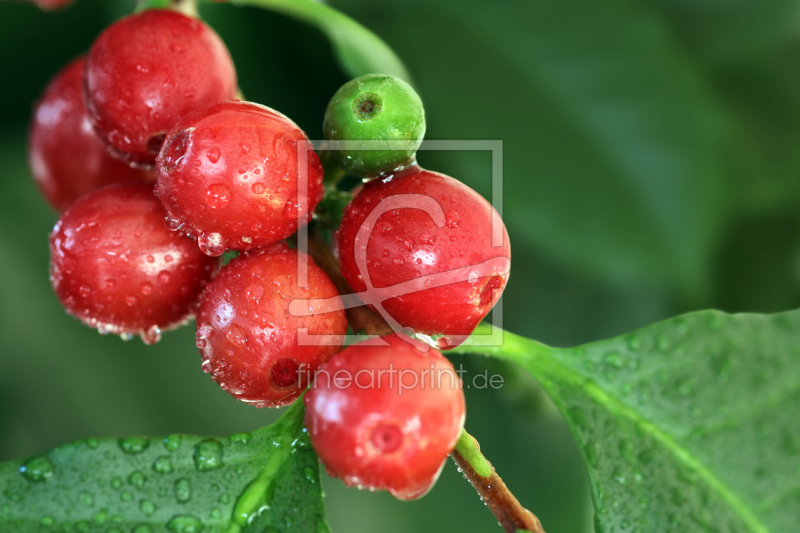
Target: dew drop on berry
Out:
[211,244]
[290,210]
[453,219]
[172,223]
[259,188]
[146,288]
[176,150]
[213,155]
[218,196]
[236,335]
[205,330]
[164,276]
[151,335]
[130,300]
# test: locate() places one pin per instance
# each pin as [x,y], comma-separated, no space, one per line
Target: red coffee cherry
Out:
[248,339]
[385,417]
[117,268]
[406,244]
[146,71]
[228,175]
[66,157]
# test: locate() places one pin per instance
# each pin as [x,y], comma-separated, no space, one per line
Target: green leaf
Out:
[358,50]
[267,481]
[727,31]
[688,425]
[614,145]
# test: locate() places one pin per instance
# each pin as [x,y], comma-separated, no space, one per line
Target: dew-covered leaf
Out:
[686,425]
[266,481]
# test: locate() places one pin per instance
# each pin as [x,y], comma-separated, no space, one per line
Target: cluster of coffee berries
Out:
[158,170]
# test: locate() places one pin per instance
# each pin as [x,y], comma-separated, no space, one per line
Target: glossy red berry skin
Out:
[373,433]
[247,336]
[406,244]
[228,175]
[146,71]
[66,157]
[117,268]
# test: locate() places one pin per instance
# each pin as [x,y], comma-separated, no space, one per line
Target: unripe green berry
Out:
[375,107]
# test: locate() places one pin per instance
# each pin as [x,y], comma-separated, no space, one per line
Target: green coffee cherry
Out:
[375,107]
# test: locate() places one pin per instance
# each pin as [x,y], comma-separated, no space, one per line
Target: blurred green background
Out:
[651,167]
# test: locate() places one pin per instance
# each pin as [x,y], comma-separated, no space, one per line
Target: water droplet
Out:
[164,276]
[92,443]
[185,524]
[130,300]
[213,155]
[126,496]
[151,335]
[177,146]
[86,499]
[613,359]
[289,210]
[208,455]
[172,223]
[38,469]
[236,335]
[116,483]
[224,499]
[211,244]
[163,465]
[240,438]
[662,343]
[101,518]
[452,220]
[259,188]
[137,479]
[47,521]
[309,474]
[591,452]
[172,442]
[146,288]
[134,445]
[147,507]
[427,239]
[218,196]
[143,528]
[183,490]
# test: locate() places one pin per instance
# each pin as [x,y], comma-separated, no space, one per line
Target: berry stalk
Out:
[511,515]
[362,318]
